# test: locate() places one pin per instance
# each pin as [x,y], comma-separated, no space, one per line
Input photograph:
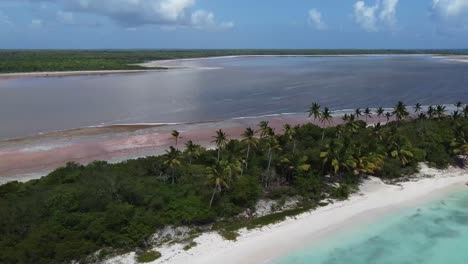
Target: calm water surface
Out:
[239,87]
[436,233]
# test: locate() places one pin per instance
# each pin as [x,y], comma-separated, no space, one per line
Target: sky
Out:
[231,24]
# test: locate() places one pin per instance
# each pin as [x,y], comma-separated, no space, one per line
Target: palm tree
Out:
[249,137]
[314,111]
[388,115]
[176,135]
[290,135]
[326,117]
[417,108]
[172,161]
[459,105]
[220,140]
[337,158]
[400,111]
[264,125]
[400,150]
[220,175]
[192,150]
[440,111]
[358,113]
[380,112]
[345,118]
[273,145]
[367,113]
[430,112]
[465,111]
[456,115]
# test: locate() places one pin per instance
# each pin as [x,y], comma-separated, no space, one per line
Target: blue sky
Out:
[233,24]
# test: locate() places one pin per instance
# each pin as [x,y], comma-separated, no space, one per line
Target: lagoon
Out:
[434,233]
[227,88]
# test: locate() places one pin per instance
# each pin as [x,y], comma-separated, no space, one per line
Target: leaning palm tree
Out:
[380,112]
[367,113]
[326,117]
[221,141]
[314,111]
[249,137]
[400,111]
[219,177]
[192,150]
[358,113]
[273,145]
[172,161]
[176,135]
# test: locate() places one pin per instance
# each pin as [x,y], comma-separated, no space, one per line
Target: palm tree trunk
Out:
[212,196]
[247,157]
[323,134]
[190,160]
[294,146]
[173,175]
[219,153]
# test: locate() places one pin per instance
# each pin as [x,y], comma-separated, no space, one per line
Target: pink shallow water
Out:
[44,154]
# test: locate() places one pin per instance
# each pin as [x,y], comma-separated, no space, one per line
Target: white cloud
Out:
[202,19]
[450,14]
[372,18]
[36,23]
[133,13]
[315,19]
[5,20]
[388,12]
[65,17]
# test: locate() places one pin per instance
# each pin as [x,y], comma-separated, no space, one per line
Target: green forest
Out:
[15,61]
[78,210]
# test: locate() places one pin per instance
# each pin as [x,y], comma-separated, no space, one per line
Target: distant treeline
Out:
[77,60]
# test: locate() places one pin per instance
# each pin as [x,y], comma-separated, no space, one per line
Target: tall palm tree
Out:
[176,135]
[367,113]
[273,145]
[326,117]
[440,111]
[314,111]
[221,141]
[358,113]
[380,112]
[249,137]
[172,161]
[220,175]
[400,111]
[459,105]
[417,108]
[192,150]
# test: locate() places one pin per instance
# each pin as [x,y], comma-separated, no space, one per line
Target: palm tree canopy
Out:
[314,110]
[380,111]
[326,116]
[400,111]
[220,139]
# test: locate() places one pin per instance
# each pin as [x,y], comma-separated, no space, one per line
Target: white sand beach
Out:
[375,199]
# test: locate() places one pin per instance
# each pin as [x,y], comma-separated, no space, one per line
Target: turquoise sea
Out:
[434,233]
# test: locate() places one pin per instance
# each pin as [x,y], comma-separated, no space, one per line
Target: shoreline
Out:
[34,157]
[7,76]
[374,201]
[164,67]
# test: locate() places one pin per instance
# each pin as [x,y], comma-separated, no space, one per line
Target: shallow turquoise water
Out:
[434,233]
